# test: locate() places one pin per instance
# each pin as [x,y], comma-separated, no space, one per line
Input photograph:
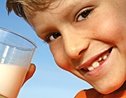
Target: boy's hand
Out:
[30,72]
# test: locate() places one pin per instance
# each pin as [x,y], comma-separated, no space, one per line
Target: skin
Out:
[74,39]
[30,72]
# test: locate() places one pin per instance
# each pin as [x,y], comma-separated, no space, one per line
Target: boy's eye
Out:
[83,14]
[52,36]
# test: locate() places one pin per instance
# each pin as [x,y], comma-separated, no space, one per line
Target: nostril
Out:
[75,53]
[75,45]
[81,53]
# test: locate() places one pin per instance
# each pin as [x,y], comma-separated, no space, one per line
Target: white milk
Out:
[11,79]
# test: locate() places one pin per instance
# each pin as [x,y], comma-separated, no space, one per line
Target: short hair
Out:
[23,7]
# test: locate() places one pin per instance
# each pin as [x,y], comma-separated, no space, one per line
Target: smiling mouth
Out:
[95,61]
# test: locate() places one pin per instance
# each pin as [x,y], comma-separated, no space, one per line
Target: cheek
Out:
[60,58]
[111,31]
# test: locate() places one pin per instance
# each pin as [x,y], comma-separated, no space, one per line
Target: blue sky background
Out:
[49,81]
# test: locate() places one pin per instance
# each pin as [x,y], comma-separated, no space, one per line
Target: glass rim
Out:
[26,39]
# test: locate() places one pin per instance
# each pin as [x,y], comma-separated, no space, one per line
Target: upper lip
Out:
[92,59]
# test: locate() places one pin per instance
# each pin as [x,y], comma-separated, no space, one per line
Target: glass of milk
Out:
[15,56]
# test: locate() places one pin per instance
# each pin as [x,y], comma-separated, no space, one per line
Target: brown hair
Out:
[23,7]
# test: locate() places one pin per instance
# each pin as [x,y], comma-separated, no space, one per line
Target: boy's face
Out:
[88,39]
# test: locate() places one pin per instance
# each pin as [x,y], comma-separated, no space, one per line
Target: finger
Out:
[30,72]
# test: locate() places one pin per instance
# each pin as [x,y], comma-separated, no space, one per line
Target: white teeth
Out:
[90,68]
[95,64]
[105,57]
[100,59]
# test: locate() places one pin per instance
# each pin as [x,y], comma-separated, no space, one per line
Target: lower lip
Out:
[97,71]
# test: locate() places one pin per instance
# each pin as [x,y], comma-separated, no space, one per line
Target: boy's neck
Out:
[122,88]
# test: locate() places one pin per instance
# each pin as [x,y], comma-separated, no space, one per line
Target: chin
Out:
[108,90]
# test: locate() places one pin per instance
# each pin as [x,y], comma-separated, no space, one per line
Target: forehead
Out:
[65,5]
[69,4]
[61,9]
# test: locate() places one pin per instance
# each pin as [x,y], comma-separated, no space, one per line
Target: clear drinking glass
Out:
[15,56]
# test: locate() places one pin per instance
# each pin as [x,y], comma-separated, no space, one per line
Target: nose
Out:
[75,44]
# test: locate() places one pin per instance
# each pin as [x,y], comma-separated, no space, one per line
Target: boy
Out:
[86,38]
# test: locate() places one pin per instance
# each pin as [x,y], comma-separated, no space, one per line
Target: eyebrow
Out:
[63,14]
[68,8]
